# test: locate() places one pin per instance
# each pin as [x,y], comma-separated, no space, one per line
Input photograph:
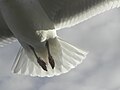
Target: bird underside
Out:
[40,61]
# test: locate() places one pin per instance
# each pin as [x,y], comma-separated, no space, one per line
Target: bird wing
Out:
[65,13]
[6,35]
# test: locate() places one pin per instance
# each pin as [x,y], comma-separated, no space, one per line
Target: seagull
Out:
[34,24]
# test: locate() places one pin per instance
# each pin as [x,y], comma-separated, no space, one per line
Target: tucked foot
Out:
[51,60]
[42,64]
[39,60]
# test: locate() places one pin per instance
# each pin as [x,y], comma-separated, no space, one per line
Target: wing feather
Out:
[53,14]
[6,35]
[65,13]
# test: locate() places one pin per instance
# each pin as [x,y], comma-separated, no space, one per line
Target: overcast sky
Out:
[99,35]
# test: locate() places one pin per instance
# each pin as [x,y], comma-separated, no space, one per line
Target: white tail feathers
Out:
[65,57]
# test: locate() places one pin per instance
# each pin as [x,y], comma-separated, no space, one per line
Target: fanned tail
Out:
[72,56]
[65,57]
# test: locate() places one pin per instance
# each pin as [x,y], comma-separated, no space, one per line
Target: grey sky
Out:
[99,35]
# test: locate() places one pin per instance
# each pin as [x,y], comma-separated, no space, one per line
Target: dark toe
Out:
[42,64]
[51,61]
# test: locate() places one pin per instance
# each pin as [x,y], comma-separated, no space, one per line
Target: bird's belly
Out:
[24,18]
[30,37]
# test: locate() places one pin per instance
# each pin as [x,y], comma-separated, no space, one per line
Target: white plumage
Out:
[34,24]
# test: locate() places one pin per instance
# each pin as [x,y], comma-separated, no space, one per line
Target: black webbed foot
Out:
[42,64]
[51,60]
[39,60]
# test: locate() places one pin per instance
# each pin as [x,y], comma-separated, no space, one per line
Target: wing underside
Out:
[6,36]
[53,14]
[65,13]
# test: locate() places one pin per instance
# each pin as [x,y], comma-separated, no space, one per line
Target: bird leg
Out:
[51,60]
[39,60]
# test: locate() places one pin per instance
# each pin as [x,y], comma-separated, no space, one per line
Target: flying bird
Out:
[34,24]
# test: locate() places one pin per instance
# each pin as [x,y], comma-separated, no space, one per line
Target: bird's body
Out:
[34,24]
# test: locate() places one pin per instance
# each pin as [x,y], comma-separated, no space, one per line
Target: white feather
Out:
[65,55]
